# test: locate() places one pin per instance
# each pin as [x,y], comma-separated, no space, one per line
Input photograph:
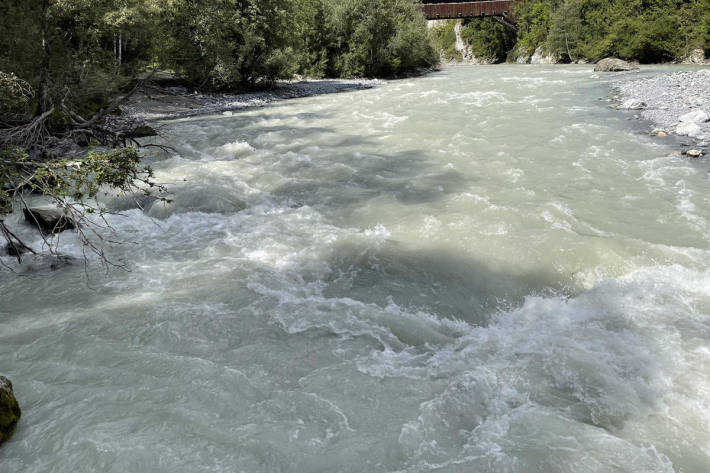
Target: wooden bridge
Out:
[448,9]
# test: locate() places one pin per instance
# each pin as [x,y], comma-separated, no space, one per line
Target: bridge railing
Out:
[437,9]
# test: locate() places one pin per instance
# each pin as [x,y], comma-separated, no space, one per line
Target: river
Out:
[485,269]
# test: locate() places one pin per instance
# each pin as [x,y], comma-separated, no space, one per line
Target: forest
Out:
[649,31]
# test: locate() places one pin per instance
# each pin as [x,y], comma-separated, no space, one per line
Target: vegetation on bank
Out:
[65,65]
[645,30]
[649,31]
[443,36]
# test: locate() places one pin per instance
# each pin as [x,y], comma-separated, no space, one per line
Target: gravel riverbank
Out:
[677,103]
[166,103]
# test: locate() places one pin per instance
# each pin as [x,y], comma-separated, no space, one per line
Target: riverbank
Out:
[154,102]
[676,103]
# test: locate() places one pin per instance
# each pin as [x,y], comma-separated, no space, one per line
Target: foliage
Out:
[444,37]
[378,37]
[644,30]
[488,39]
[16,97]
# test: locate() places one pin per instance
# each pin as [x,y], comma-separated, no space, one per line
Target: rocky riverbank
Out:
[676,103]
[156,102]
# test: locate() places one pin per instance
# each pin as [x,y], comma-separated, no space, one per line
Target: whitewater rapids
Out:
[482,270]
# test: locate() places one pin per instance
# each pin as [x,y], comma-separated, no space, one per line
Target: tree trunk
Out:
[44,78]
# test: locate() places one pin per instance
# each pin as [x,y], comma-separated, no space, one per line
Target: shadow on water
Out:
[434,280]
[404,176]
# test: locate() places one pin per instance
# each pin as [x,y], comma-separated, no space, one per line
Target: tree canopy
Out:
[644,30]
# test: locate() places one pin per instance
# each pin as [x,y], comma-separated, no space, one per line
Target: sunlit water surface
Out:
[482,270]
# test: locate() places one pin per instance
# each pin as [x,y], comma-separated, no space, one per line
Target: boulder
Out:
[539,57]
[696,116]
[9,410]
[696,56]
[612,64]
[689,129]
[49,219]
[522,56]
[12,249]
[142,131]
[694,153]
[633,104]
[55,147]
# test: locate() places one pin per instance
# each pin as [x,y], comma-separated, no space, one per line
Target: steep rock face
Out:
[612,64]
[696,56]
[539,57]
[9,410]
[522,56]
[465,49]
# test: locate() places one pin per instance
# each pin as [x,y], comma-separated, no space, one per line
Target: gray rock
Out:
[689,129]
[49,220]
[45,262]
[522,56]
[9,410]
[142,131]
[611,64]
[13,250]
[696,56]
[633,104]
[539,58]
[696,116]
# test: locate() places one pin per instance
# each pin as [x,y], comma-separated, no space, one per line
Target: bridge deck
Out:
[434,10]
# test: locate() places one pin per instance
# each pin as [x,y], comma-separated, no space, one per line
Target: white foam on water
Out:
[234,149]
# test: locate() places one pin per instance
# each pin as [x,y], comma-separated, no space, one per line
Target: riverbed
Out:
[481,270]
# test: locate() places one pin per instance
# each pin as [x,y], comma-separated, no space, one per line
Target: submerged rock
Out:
[12,249]
[45,262]
[612,64]
[49,219]
[9,410]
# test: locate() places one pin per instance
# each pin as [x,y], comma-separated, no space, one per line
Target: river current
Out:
[485,269]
